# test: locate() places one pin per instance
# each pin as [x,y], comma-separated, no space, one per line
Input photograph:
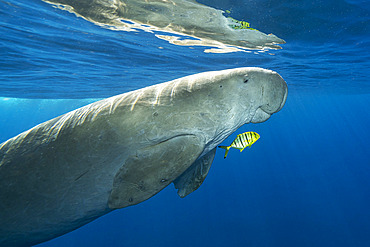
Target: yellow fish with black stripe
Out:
[242,141]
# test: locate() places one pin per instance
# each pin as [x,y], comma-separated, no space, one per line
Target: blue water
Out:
[306,182]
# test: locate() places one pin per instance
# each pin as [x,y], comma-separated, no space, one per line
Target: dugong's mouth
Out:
[260,116]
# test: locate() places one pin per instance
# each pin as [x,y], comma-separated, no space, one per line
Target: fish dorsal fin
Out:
[151,169]
[194,176]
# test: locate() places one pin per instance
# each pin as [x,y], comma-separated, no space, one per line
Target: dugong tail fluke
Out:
[122,150]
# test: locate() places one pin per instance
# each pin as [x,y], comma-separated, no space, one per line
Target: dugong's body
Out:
[120,151]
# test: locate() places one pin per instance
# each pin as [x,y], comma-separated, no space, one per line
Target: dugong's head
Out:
[232,98]
[253,94]
[264,90]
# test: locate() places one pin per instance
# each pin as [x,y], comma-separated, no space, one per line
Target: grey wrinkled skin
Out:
[122,150]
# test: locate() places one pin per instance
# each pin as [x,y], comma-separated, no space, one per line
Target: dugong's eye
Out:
[245,80]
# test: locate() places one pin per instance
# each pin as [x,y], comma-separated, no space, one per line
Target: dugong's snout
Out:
[273,93]
[277,92]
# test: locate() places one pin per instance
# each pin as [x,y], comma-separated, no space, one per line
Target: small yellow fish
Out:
[242,141]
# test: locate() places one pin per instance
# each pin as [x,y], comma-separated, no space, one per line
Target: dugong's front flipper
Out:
[151,169]
[193,177]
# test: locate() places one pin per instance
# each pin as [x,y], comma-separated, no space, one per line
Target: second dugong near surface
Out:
[122,150]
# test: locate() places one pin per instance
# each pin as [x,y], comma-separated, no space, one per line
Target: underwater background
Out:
[306,182]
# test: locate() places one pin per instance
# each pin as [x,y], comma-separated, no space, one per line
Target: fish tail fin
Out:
[227,148]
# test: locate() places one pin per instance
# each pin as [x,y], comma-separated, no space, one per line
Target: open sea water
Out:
[306,182]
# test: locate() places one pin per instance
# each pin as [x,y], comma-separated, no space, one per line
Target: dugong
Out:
[122,150]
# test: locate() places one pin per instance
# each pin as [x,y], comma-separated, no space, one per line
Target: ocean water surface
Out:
[306,182]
